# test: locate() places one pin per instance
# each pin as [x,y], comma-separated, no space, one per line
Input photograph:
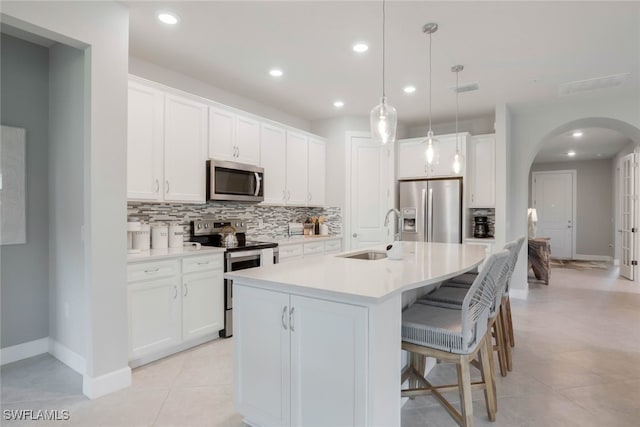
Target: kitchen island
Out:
[317,341]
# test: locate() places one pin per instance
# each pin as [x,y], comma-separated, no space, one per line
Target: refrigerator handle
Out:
[423,215]
[430,229]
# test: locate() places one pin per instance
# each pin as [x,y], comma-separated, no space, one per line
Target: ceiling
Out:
[519,52]
[594,144]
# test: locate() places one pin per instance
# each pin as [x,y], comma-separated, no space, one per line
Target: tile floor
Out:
[576,363]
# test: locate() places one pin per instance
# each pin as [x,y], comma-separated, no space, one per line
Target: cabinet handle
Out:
[186,289]
[175,292]
[284,195]
[291,319]
[152,270]
[238,148]
[309,197]
[203,263]
[288,195]
[157,186]
[284,313]
[472,198]
[166,187]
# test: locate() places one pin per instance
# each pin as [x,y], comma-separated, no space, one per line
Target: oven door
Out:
[234,181]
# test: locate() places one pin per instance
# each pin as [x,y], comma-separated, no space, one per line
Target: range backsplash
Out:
[269,221]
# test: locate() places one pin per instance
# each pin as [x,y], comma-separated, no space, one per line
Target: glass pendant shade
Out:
[384,120]
[458,161]
[430,152]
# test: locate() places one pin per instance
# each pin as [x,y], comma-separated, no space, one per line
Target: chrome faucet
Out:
[396,235]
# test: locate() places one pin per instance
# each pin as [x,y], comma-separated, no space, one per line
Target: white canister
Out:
[159,236]
[324,229]
[141,238]
[176,233]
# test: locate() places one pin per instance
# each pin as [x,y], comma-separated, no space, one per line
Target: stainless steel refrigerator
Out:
[431,210]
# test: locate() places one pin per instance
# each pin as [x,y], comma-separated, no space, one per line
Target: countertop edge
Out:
[187,252]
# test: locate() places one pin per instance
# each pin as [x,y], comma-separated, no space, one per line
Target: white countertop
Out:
[364,280]
[480,239]
[158,254]
[283,241]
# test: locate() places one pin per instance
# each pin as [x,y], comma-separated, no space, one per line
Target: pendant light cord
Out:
[429,82]
[383,53]
[457,93]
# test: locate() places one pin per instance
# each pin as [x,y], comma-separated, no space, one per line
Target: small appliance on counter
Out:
[240,254]
[296,229]
[480,227]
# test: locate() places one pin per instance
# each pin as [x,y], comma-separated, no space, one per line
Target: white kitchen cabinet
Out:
[201,292]
[412,160]
[482,178]
[332,246]
[291,252]
[313,248]
[145,142]
[296,169]
[280,331]
[233,137]
[184,149]
[288,253]
[273,159]
[316,167]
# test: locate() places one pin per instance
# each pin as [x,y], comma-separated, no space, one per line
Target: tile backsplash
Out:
[269,221]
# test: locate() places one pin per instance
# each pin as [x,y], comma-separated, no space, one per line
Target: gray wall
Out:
[594,212]
[25,268]
[68,316]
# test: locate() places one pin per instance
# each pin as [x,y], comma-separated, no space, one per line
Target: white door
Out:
[221,134]
[144,142]
[184,150]
[273,158]
[553,198]
[261,351]
[371,183]
[297,151]
[628,176]
[154,316]
[315,398]
[202,304]
[316,171]
[247,140]
[482,176]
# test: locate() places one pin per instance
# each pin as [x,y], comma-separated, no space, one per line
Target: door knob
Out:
[355,234]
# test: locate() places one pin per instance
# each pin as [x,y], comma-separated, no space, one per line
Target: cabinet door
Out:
[154,316]
[297,151]
[445,149]
[202,304]
[316,167]
[261,355]
[221,134]
[482,174]
[344,349]
[247,140]
[273,158]
[411,159]
[144,142]
[184,149]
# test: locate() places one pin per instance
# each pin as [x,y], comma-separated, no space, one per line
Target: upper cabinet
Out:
[297,179]
[273,158]
[233,137]
[482,178]
[316,167]
[412,159]
[166,144]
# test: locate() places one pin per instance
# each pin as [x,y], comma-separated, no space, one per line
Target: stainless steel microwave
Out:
[234,181]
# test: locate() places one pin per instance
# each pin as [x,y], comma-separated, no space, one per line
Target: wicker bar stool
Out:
[455,335]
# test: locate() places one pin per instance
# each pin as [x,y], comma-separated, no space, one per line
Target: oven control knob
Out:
[199,226]
[206,226]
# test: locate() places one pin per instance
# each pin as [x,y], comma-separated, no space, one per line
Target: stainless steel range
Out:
[240,254]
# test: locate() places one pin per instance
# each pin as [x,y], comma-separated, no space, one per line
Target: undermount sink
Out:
[368,255]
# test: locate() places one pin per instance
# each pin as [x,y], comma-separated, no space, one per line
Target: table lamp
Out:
[532,219]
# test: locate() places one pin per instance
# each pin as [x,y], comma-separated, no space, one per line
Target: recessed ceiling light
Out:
[275,72]
[577,134]
[338,104]
[571,153]
[409,89]
[360,47]
[168,18]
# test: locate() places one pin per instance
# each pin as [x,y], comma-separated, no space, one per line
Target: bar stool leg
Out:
[488,379]
[464,382]
[506,345]
[499,336]
[512,341]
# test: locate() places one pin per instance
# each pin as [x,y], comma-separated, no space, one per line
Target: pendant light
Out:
[383,116]
[456,166]
[430,28]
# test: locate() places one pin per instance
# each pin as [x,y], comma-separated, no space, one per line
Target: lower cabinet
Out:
[281,347]
[302,250]
[173,304]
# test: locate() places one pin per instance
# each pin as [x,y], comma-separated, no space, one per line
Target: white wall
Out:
[157,73]
[102,30]
[532,127]
[67,309]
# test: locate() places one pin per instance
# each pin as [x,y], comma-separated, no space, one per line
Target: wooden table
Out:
[540,258]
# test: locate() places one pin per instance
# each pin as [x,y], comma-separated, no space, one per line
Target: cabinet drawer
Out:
[313,248]
[290,251]
[202,263]
[332,245]
[152,270]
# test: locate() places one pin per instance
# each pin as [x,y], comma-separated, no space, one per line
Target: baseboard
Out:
[67,356]
[105,384]
[518,293]
[134,363]
[592,258]
[24,350]
[616,262]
